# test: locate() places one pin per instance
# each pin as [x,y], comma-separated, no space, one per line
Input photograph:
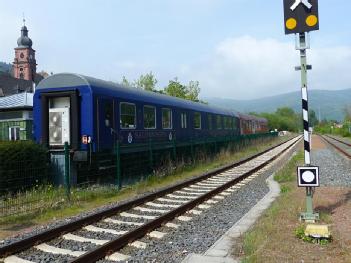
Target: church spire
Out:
[24,63]
[24,40]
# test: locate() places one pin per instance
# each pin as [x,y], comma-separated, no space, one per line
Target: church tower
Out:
[24,66]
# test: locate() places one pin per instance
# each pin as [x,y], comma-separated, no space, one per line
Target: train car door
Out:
[106,130]
[183,124]
[59,121]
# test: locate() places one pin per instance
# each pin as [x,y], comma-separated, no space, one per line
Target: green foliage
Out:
[52,200]
[284,119]
[285,189]
[174,87]
[146,82]
[193,91]
[347,111]
[312,118]
[324,127]
[331,127]
[300,232]
[288,174]
[126,82]
[22,164]
[188,92]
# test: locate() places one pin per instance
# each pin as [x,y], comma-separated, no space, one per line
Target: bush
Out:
[23,164]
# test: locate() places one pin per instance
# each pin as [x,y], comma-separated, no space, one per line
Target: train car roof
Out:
[251,117]
[67,80]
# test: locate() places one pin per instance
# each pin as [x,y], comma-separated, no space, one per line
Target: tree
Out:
[285,112]
[284,119]
[125,82]
[146,82]
[312,118]
[44,74]
[176,89]
[189,92]
[347,111]
[193,90]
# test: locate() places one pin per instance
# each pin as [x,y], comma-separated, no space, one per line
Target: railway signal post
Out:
[301,17]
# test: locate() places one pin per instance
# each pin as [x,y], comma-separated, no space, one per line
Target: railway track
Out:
[102,235]
[342,146]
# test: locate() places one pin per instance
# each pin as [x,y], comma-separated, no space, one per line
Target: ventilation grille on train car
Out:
[55,127]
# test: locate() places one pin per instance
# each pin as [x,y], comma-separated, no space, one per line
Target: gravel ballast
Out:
[199,234]
[335,170]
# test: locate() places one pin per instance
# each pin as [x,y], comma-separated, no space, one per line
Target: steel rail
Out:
[343,142]
[118,243]
[337,147]
[55,232]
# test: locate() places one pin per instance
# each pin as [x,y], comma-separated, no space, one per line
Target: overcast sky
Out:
[234,48]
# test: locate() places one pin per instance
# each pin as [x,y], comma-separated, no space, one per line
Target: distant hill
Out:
[331,104]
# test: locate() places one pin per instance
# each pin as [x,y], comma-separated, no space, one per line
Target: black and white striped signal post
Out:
[309,215]
[304,67]
[300,17]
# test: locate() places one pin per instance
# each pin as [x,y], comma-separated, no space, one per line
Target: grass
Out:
[83,200]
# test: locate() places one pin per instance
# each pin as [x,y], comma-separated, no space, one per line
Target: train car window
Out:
[166,118]
[127,115]
[219,122]
[14,133]
[209,120]
[149,117]
[227,123]
[108,114]
[197,120]
[183,120]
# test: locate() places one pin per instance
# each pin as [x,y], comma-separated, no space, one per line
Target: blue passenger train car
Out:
[93,114]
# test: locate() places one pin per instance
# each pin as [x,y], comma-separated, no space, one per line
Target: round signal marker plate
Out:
[308,176]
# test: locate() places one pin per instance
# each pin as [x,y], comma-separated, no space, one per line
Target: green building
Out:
[16,117]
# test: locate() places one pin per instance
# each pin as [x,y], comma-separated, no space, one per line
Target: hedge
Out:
[23,164]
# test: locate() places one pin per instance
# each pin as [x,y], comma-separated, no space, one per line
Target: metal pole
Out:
[67,171]
[309,215]
[192,149]
[151,159]
[304,97]
[174,150]
[118,165]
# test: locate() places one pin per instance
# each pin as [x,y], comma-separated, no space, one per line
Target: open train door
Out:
[60,120]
